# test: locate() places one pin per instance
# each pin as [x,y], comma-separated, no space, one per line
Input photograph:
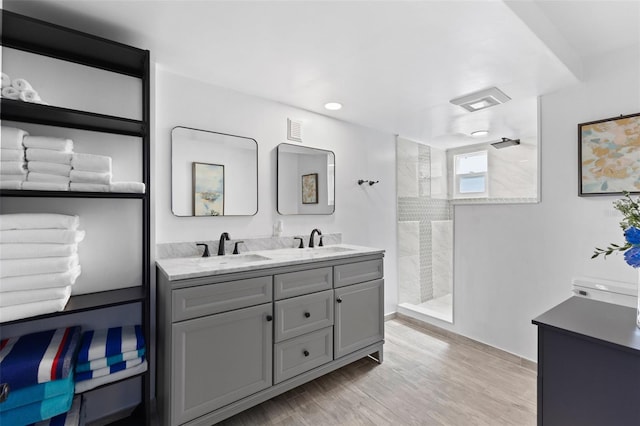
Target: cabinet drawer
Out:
[353,273]
[210,299]
[303,353]
[303,314]
[303,282]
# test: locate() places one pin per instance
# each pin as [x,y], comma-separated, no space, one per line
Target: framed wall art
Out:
[208,189]
[609,156]
[310,188]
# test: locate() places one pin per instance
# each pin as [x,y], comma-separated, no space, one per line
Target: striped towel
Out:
[120,375]
[104,343]
[35,393]
[38,357]
[70,418]
[106,362]
[37,411]
[87,375]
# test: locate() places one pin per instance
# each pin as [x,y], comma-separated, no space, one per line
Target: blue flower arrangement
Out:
[630,225]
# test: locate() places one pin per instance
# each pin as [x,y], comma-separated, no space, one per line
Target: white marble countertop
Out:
[182,268]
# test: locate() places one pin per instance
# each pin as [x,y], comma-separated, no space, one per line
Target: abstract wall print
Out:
[609,155]
[208,189]
[310,188]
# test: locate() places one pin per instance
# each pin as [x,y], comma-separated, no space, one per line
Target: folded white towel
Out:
[31,251]
[11,184]
[88,187]
[45,142]
[10,298]
[80,176]
[13,167]
[135,187]
[27,310]
[46,265]
[57,236]
[48,155]
[6,80]
[11,137]
[30,95]
[21,84]
[45,177]
[39,221]
[32,282]
[10,93]
[86,385]
[45,186]
[49,168]
[91,163]
[7,154]
[8,178]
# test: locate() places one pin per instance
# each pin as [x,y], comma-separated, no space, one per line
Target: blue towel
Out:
[38,357]
[37,411]
[106,362]
[70,418]
[35,393]
[86,375]
[104,343]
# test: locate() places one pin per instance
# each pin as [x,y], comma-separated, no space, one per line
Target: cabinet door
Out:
[219,359]
[359,316]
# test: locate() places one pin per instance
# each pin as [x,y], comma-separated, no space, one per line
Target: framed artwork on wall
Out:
[208,189]
[310,188]
[609,156]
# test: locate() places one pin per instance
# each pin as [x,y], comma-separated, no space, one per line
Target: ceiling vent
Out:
[505,142]
[481,100]
[294,130]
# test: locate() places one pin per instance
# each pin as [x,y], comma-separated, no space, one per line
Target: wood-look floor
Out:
[425,379]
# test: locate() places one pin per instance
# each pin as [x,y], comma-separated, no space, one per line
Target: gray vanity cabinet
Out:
[219,359]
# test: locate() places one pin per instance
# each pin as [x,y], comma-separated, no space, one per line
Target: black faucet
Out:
[224,237]
[301,241]
[206,250]
[315,231]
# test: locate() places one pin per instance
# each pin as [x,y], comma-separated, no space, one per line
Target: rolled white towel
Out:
[21,84]
[31,282]
[27,310]
[31,251]
[79,176]
[45,142]
[50,168]
[135,187]
[11,137]
[5,178]
[88,187]
[30,96]
[9,154]
[56,236]
[10,93]
[91,163]
[39,221]
[11,184]
[45,177]
[20,267]
[6,80]
[45,186]
[10,298]
[13,168]
[48,155]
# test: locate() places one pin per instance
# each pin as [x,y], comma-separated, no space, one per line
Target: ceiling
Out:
[394,65]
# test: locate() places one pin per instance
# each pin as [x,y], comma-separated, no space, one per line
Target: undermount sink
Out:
[329,249]
[233,259]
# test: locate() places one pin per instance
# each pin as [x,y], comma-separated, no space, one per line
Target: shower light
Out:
[333,106]
[479,133]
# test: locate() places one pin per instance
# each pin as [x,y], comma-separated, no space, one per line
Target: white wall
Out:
[514,262]
[365,215]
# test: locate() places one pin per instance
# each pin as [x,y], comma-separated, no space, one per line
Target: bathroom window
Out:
[471,175]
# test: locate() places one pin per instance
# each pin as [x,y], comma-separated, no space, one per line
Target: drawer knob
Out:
[307,314]
[269,318]
[339,300]
[305,352]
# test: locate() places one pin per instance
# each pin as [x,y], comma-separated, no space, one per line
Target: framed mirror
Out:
[306,180]
[213,174]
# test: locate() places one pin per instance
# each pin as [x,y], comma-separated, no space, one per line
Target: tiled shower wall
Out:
[416,210]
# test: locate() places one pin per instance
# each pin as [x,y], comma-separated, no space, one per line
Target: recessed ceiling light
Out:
[482,99]
[333,106]
[479,133]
